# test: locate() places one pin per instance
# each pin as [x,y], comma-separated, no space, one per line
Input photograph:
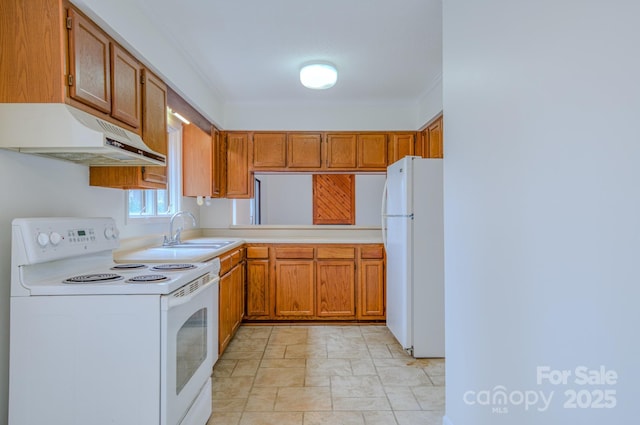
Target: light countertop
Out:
[149,250]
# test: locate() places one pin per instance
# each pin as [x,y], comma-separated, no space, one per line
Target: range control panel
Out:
[46,239]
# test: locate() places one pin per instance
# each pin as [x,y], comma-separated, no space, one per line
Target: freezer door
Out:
[399,278]
[399,187]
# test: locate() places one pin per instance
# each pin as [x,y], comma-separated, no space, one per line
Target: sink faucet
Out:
[174,239]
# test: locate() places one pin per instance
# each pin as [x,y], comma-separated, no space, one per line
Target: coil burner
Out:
[128,267]
[173,267]
[94,278]
[148,278]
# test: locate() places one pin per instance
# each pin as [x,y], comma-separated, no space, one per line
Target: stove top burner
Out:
[148,278]
[128,267]
[94,278]
[173,267]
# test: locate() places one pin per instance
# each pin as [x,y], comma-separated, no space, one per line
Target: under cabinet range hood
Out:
[61,131]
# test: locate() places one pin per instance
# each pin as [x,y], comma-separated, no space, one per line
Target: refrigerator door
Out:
[399,270]
[399,234]
[399,200]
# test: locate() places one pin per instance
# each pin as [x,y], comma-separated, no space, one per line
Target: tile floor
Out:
[316,375]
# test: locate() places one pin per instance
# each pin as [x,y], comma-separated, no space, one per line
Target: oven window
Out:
[191,346]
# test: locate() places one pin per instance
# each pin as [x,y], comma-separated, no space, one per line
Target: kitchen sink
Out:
[200,244]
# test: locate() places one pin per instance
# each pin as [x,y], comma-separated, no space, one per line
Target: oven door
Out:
[188,349]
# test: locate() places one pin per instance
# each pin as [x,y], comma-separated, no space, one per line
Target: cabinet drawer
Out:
[372,252]
[336,252]
[258,252]
[225,264]
[294,252]
[236,257]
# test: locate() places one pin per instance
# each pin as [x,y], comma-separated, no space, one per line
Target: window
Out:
[161,203]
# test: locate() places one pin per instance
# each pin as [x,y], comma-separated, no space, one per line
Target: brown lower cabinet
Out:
[312,282]
[231,296]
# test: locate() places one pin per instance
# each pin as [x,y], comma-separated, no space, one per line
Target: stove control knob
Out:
[43,239]
[111,233]
[55,238]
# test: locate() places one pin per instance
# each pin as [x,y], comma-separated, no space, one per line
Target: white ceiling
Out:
[250,51]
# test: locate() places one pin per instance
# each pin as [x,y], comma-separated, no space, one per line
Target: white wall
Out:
[542,203]
[287,199]
[320,116]
[32,186]
[430,105]
[369,198]
[135,30]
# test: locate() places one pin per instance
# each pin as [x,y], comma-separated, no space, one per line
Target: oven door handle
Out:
[174,299]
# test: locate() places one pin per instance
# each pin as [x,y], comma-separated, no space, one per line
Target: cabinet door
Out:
[435,139]
[341,151]
[269,150]
[225,324]
[371,289]
[294,288]
[401,145]
[239,179]
[217,164]
[257,288]
[154,134]
[89,63]
[372,151]
[334,199]
[154,125]
[422,144]
[336,288]
[197,153]
[304,151]
[126,102]
[371,283]
[237,297]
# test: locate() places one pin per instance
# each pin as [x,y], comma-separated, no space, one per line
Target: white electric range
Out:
[96,342]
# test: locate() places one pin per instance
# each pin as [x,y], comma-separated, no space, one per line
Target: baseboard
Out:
[446,420]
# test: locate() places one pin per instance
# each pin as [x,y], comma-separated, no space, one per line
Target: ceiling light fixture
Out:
[318,76]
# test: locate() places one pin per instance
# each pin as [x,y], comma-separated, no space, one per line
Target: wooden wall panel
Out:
[334,199]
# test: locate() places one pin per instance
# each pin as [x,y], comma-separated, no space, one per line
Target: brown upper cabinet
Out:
[281,151]
[430,143]
[197,162]
[341,151]
[154,134]
[34,56]
[304,150]
[201,162]
[321,151]
[435,139]
[372,151]
[401,145]
[219,173]
[89,63]
[154,126]
[102,75]
[54,54]
[126,76]
[269,150]
[239,178]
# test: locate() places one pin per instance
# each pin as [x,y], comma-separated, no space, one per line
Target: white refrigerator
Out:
[413,234]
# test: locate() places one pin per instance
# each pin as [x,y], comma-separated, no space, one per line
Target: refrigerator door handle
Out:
[383,214]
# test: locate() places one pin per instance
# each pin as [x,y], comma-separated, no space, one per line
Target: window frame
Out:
[174,180]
